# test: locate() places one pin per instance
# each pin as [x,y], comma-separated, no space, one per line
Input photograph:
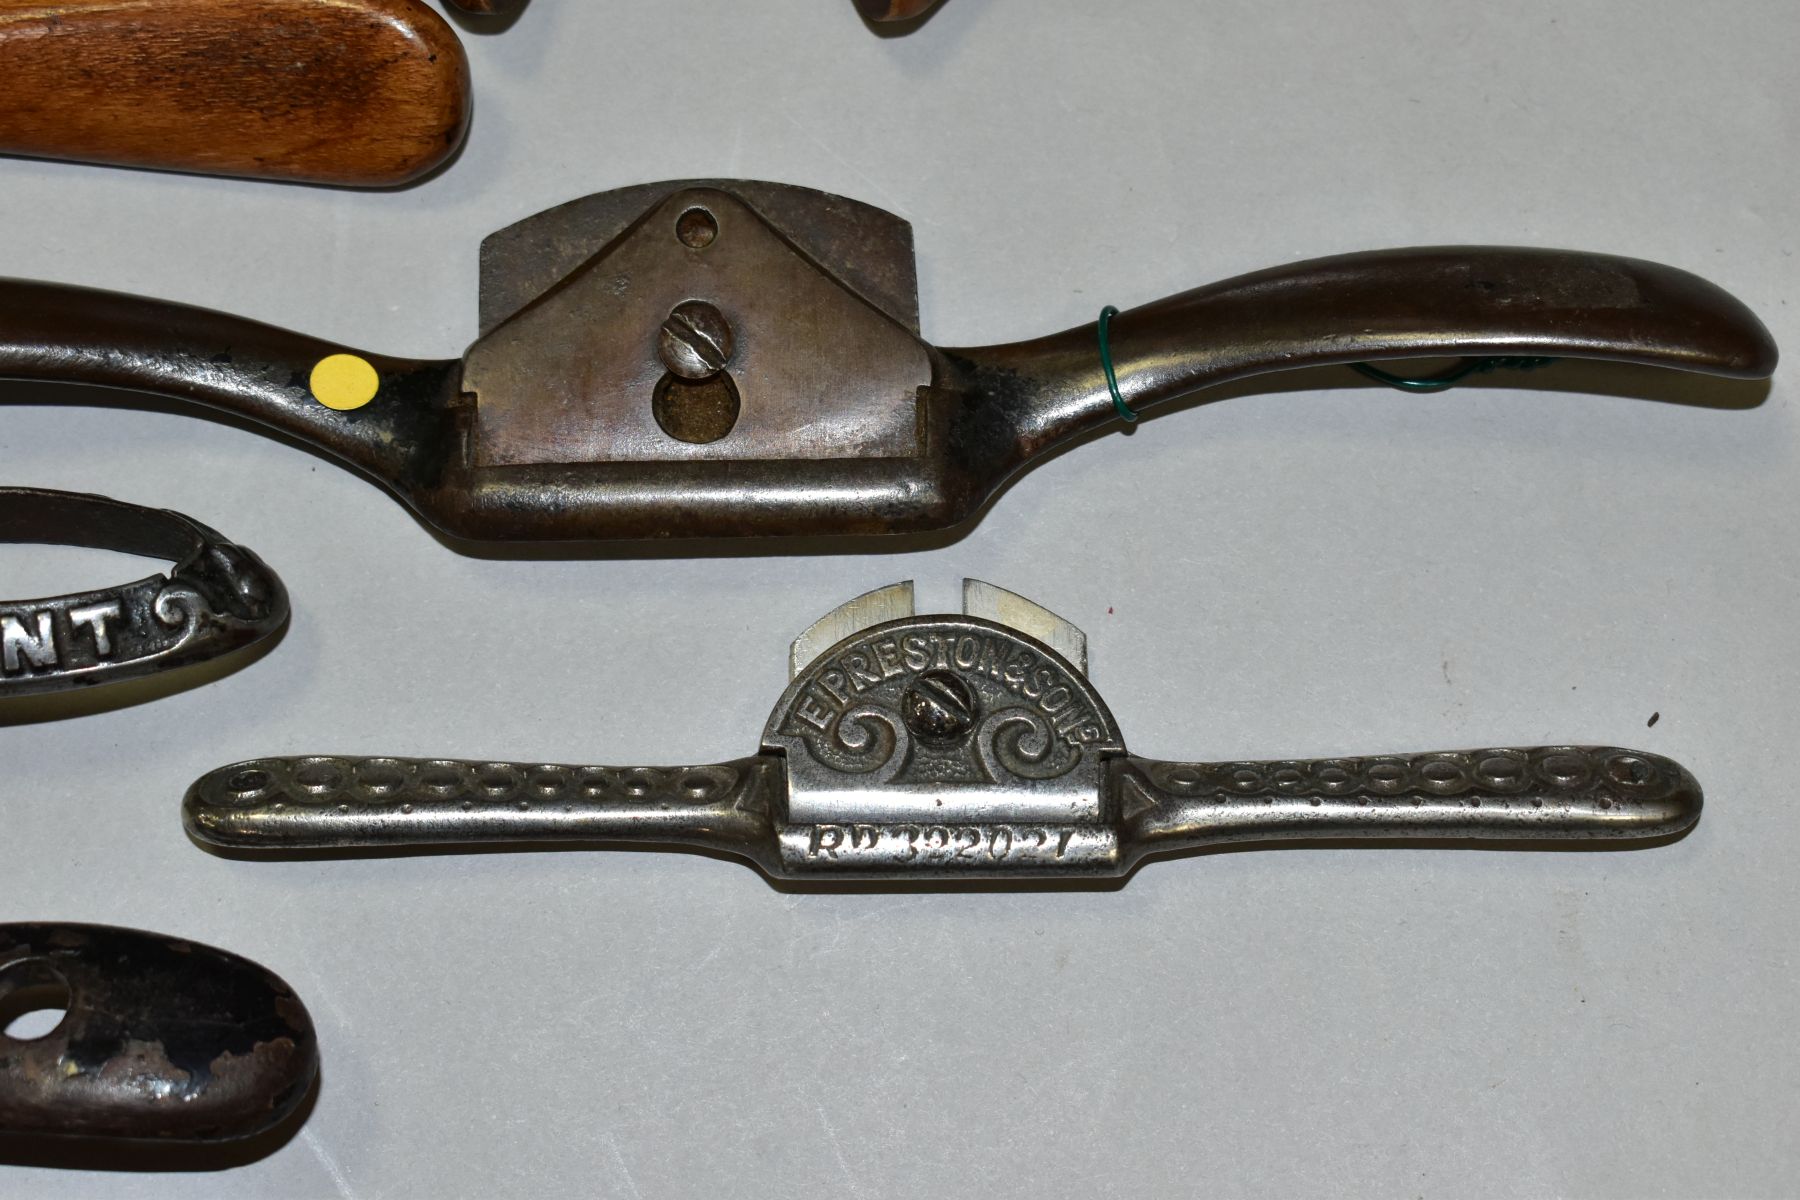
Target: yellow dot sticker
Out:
[344,381]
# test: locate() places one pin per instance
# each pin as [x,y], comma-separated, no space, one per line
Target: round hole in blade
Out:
[696,411]
[696,228]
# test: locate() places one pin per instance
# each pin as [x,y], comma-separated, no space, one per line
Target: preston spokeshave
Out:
[968,745]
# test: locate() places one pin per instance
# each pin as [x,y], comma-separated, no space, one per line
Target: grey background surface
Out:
[1290,574]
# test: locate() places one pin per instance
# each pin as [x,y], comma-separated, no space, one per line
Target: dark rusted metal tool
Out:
[218,597]
[719,358]
[967,746]
[160,1038]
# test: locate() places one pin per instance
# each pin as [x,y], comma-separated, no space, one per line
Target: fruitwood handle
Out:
[365,93]
[893,10]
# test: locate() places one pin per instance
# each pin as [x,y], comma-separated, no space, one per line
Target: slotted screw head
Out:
[696,341]
[939,707]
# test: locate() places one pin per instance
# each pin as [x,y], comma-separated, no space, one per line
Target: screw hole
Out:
[696,411]
[37,1003]
[696,228]
[248,781]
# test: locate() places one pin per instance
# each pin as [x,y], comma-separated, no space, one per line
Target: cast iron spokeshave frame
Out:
[718,358]
[967,746]
[160,1039]
[216,598]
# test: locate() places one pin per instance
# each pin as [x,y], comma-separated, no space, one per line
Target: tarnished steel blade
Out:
[1015,611]
[869,609]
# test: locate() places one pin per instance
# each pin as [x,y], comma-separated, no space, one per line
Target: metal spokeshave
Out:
[721,358]
[968,746]
[218,598]
[159,1038]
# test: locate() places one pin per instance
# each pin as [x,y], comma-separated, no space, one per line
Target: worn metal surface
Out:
[567,380]
[865,248]
[1002,607]
[943,746]
[162,1038]
[888,603]
[823,412]
[217,598]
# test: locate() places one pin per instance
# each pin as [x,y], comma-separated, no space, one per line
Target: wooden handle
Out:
[366,93]
[893,10]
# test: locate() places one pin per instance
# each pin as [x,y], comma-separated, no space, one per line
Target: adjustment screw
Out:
[938,707]
[696,341]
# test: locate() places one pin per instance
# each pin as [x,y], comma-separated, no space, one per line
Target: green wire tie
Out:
[1447,380]
[1112,378]
[1429,383]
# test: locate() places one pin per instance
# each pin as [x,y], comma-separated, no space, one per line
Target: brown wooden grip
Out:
[893,10]
[358,92]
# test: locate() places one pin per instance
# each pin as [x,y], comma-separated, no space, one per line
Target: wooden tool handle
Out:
[893,10]
[365,93]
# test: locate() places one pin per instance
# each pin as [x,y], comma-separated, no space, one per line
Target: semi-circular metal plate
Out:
[867,249]
[940,717]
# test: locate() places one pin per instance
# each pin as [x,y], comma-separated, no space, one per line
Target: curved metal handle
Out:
[1421,303]
[79,335]
[1549,793]
[1555,793]
[217,598]
[282,805]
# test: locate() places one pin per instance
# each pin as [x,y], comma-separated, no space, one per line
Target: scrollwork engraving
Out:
[1018,742]
[867,740]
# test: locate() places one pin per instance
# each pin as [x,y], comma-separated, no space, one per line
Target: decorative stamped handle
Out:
[1547,793]
[1554,793]
[319,803]
[216,598]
